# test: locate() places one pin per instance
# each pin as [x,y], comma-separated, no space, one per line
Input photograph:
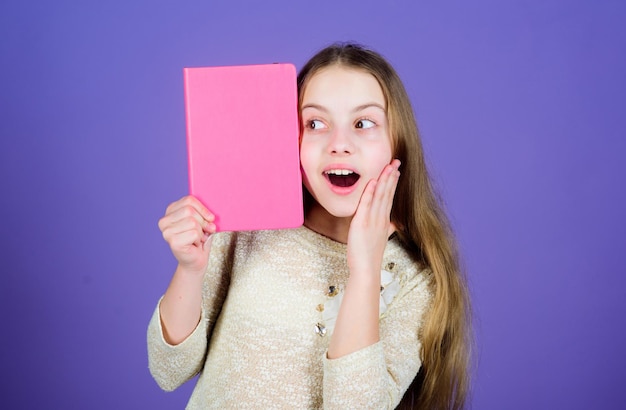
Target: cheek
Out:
[383,157]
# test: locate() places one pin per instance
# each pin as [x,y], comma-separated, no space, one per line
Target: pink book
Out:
[242,141]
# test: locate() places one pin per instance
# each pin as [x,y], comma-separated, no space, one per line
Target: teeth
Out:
[339,172]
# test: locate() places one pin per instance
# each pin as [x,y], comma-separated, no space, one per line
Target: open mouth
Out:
[342,177]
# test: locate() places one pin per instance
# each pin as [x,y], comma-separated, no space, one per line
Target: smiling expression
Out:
[345,139]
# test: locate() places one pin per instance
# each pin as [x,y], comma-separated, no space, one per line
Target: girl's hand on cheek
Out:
[187,227]
[370,228]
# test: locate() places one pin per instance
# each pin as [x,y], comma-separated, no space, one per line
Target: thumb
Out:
[206,246]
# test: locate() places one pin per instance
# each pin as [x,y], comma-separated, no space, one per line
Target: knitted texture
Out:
[259,342]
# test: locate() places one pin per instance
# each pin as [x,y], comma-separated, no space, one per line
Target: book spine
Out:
[188,126]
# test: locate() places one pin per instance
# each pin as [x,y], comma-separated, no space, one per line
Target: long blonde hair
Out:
[424,230]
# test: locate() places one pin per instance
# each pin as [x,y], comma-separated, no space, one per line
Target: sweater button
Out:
[320,329]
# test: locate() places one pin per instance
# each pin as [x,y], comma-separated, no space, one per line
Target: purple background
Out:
[522,110]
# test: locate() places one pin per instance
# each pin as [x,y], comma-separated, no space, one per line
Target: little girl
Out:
[362,306]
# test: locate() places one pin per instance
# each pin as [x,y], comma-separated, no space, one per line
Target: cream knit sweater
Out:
[268,306]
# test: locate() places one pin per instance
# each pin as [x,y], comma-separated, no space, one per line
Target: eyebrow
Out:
[359,108]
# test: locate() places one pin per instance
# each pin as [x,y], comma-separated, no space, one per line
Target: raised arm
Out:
[357,322]
[177,333]
[371,358]
[187,227]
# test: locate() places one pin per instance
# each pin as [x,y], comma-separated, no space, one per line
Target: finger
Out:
[391,173]
[390,176]
[388,172]
[182,220]
[391,191]
[186,212]
[207,243]
[365,203]
[193,203]
[384,190]
[178,210]
[174,206]
[184,240]
[384,202]
[188,224]
[173,234]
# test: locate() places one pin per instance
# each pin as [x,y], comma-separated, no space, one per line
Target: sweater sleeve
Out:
[377,376]
[173,365]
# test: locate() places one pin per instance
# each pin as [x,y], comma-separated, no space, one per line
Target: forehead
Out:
[339,84]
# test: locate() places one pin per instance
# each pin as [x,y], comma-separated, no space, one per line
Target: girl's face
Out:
[345,139]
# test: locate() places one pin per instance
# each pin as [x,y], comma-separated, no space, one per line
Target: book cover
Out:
[243,148]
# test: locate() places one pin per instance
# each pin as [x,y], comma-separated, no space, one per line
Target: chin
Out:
[340,211]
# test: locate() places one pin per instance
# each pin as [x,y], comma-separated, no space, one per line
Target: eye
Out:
[315,124]
[364,124]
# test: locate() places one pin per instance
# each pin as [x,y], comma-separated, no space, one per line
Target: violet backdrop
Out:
[522,108]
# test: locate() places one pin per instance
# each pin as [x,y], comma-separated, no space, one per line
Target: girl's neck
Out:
[319,220]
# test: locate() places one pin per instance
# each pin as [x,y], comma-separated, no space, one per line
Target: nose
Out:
[340,142]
